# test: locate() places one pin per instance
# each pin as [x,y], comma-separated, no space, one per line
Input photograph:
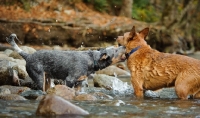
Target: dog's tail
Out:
[11,41]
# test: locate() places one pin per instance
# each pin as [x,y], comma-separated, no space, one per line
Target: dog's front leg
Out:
[137,85]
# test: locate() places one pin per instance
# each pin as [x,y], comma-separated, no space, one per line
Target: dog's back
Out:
[151,69]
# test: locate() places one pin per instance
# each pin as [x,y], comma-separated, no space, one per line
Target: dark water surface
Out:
[129,107]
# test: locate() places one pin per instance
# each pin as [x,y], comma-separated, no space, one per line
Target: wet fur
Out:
[152,70]
[71,66]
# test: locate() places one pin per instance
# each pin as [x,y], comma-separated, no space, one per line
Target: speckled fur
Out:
[67,65]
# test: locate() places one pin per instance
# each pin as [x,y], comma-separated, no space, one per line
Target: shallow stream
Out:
[122,105]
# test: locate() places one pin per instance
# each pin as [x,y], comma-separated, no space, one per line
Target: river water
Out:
[123,106]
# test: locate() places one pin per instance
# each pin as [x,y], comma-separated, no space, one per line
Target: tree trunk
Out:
[126,9]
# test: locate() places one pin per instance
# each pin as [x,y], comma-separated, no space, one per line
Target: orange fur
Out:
[152,70]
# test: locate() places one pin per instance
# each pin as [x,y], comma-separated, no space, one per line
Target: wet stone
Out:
[116,103]
[85,97]
[15,89]
[101,96]
[62,91]
[32,94]
[11,97]
[4,91]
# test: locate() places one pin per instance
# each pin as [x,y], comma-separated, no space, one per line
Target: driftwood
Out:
[86,34]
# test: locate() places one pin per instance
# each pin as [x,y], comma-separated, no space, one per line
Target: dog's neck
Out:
[131,52]
[97,63]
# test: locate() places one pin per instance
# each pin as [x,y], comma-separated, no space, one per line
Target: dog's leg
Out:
[186,85]
[137,85]
[36,73]
[81,82]
[197,95]
[46,81]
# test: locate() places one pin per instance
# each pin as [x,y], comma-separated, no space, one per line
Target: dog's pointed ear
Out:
[144,32]
[104,56]
[132,33]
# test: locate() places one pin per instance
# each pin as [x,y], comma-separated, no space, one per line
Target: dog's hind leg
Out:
[81,82]
[36,73]
[197,95]
[186,85]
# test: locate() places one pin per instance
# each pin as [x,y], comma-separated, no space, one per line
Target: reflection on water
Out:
[123,107]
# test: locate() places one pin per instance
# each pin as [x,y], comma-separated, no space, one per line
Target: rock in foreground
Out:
[55,105]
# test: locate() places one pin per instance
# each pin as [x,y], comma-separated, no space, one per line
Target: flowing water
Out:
[122,105]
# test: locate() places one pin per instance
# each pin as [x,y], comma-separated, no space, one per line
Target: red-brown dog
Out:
[152,70]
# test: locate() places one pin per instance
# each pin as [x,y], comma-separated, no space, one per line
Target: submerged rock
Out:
[85,97]
[11,97]
[101,96]
[55,105]
[32,94]
[168,93]
[116,103]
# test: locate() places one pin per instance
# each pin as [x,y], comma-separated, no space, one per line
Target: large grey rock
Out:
[10,71]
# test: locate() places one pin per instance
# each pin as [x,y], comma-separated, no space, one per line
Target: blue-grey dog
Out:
[70,66]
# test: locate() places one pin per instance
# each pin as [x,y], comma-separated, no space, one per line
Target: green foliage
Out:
[142,10]
[26,4]
[99,5]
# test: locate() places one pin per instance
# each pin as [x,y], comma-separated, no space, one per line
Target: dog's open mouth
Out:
[123,57]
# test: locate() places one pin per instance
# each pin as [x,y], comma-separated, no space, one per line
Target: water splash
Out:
[120,86]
